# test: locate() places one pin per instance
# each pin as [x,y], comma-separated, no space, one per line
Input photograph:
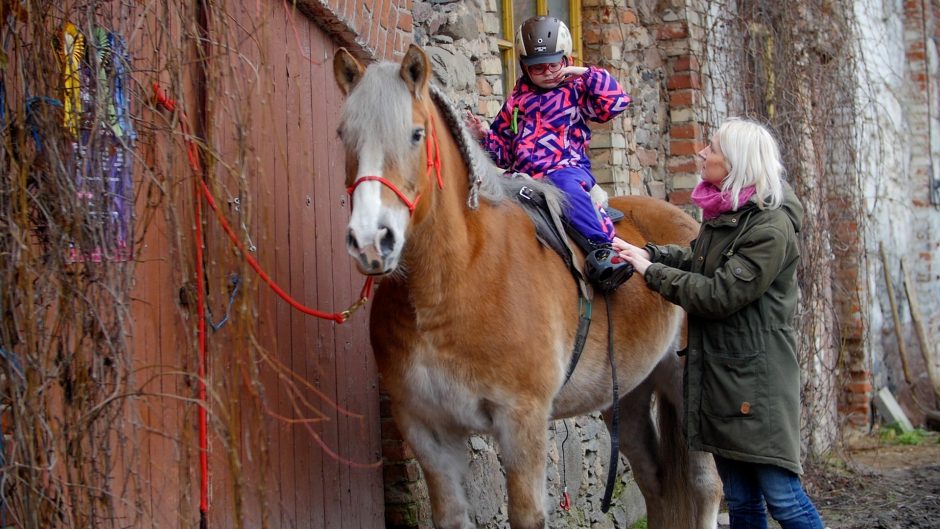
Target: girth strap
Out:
[580,338]
[615,411]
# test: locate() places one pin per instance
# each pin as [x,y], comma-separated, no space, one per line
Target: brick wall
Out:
[371,29]
[679,37]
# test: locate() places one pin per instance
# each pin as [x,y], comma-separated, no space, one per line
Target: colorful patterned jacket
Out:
[539,131]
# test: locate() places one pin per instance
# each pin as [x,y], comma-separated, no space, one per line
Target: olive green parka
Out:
[738,284]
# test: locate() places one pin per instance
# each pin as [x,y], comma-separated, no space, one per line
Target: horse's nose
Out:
[372,250]
[352,242]
[386,241]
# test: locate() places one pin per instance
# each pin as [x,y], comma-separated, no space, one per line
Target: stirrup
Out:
[605,269]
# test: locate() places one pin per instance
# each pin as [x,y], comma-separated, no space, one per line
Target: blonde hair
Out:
[752,157]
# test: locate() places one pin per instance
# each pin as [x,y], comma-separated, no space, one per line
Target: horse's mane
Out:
[380,103]
[494,185]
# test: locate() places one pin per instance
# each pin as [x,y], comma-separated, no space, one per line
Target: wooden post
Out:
[898,331]
[925,346]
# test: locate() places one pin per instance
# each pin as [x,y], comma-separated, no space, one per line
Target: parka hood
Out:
[792,207]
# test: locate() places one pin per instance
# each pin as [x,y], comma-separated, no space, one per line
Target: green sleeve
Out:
[671,255]
[737,282]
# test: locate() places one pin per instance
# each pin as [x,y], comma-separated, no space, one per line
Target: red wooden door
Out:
[319,407]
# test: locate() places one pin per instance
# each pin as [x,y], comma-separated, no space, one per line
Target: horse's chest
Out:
[439,391]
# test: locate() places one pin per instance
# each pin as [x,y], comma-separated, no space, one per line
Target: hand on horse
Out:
[638,257]
[475,125]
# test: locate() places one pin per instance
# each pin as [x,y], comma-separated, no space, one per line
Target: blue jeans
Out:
[748,486]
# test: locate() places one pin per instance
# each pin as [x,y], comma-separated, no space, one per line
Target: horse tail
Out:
[690,486]
[681,487]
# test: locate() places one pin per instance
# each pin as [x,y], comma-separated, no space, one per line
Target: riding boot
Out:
[605,269]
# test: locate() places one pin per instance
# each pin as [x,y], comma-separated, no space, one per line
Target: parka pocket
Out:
[732,387]
[734,409]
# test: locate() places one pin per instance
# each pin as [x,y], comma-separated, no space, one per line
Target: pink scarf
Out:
[714,201]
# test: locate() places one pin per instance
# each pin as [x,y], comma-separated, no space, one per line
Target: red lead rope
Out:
[203,189]
[200,188]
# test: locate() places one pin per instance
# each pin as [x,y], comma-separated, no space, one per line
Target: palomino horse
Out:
[474,323]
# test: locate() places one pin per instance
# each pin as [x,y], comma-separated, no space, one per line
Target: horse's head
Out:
[387,130]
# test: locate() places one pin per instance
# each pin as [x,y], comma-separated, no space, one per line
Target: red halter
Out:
[434,164]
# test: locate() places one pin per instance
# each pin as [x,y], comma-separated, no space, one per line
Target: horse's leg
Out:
[443,458]
[681,487]
[522,433]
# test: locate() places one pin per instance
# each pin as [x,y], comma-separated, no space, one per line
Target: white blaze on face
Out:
[375,234]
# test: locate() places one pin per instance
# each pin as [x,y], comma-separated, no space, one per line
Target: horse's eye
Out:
[417,135]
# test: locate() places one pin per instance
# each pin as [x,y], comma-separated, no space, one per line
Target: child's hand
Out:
[475,125]
[570,72]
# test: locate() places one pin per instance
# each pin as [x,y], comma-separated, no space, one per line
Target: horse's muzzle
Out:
[376,254]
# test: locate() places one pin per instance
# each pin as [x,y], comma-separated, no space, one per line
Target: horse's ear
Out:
[416,70]
[347,70]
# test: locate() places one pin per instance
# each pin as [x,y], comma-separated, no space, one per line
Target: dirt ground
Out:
[878,484]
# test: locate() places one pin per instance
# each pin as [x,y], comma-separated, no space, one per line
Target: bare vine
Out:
[790,65]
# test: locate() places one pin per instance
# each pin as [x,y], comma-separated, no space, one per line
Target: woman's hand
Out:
[475,125]
[638,257]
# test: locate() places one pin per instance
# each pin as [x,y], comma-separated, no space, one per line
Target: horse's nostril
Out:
[387,243]
[351,240]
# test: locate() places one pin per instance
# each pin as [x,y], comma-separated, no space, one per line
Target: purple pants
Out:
[590,221]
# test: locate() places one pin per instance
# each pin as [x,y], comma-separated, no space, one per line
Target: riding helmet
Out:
[543,39]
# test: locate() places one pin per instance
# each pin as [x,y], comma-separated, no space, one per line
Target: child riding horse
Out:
[472,326]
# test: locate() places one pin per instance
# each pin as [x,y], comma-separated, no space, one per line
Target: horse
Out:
[473,320]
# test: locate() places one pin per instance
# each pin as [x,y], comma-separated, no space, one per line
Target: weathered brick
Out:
[686,63]
[686,131]
[672,31]
[685,147]
[613,34]
[390,430]
[400,472]
[628,16]
[682,165]
[393,450]
[405,20]
[680,197]
[592,36]
[683,98]
[860,387]
[647,157]
[683,80]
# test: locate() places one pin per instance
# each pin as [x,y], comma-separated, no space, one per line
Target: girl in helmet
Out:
[542,130]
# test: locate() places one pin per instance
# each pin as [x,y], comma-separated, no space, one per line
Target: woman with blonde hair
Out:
[738,284]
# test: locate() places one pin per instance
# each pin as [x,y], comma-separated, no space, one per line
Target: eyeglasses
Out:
[542,69]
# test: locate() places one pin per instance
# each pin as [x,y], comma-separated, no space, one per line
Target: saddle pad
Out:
[548,232]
